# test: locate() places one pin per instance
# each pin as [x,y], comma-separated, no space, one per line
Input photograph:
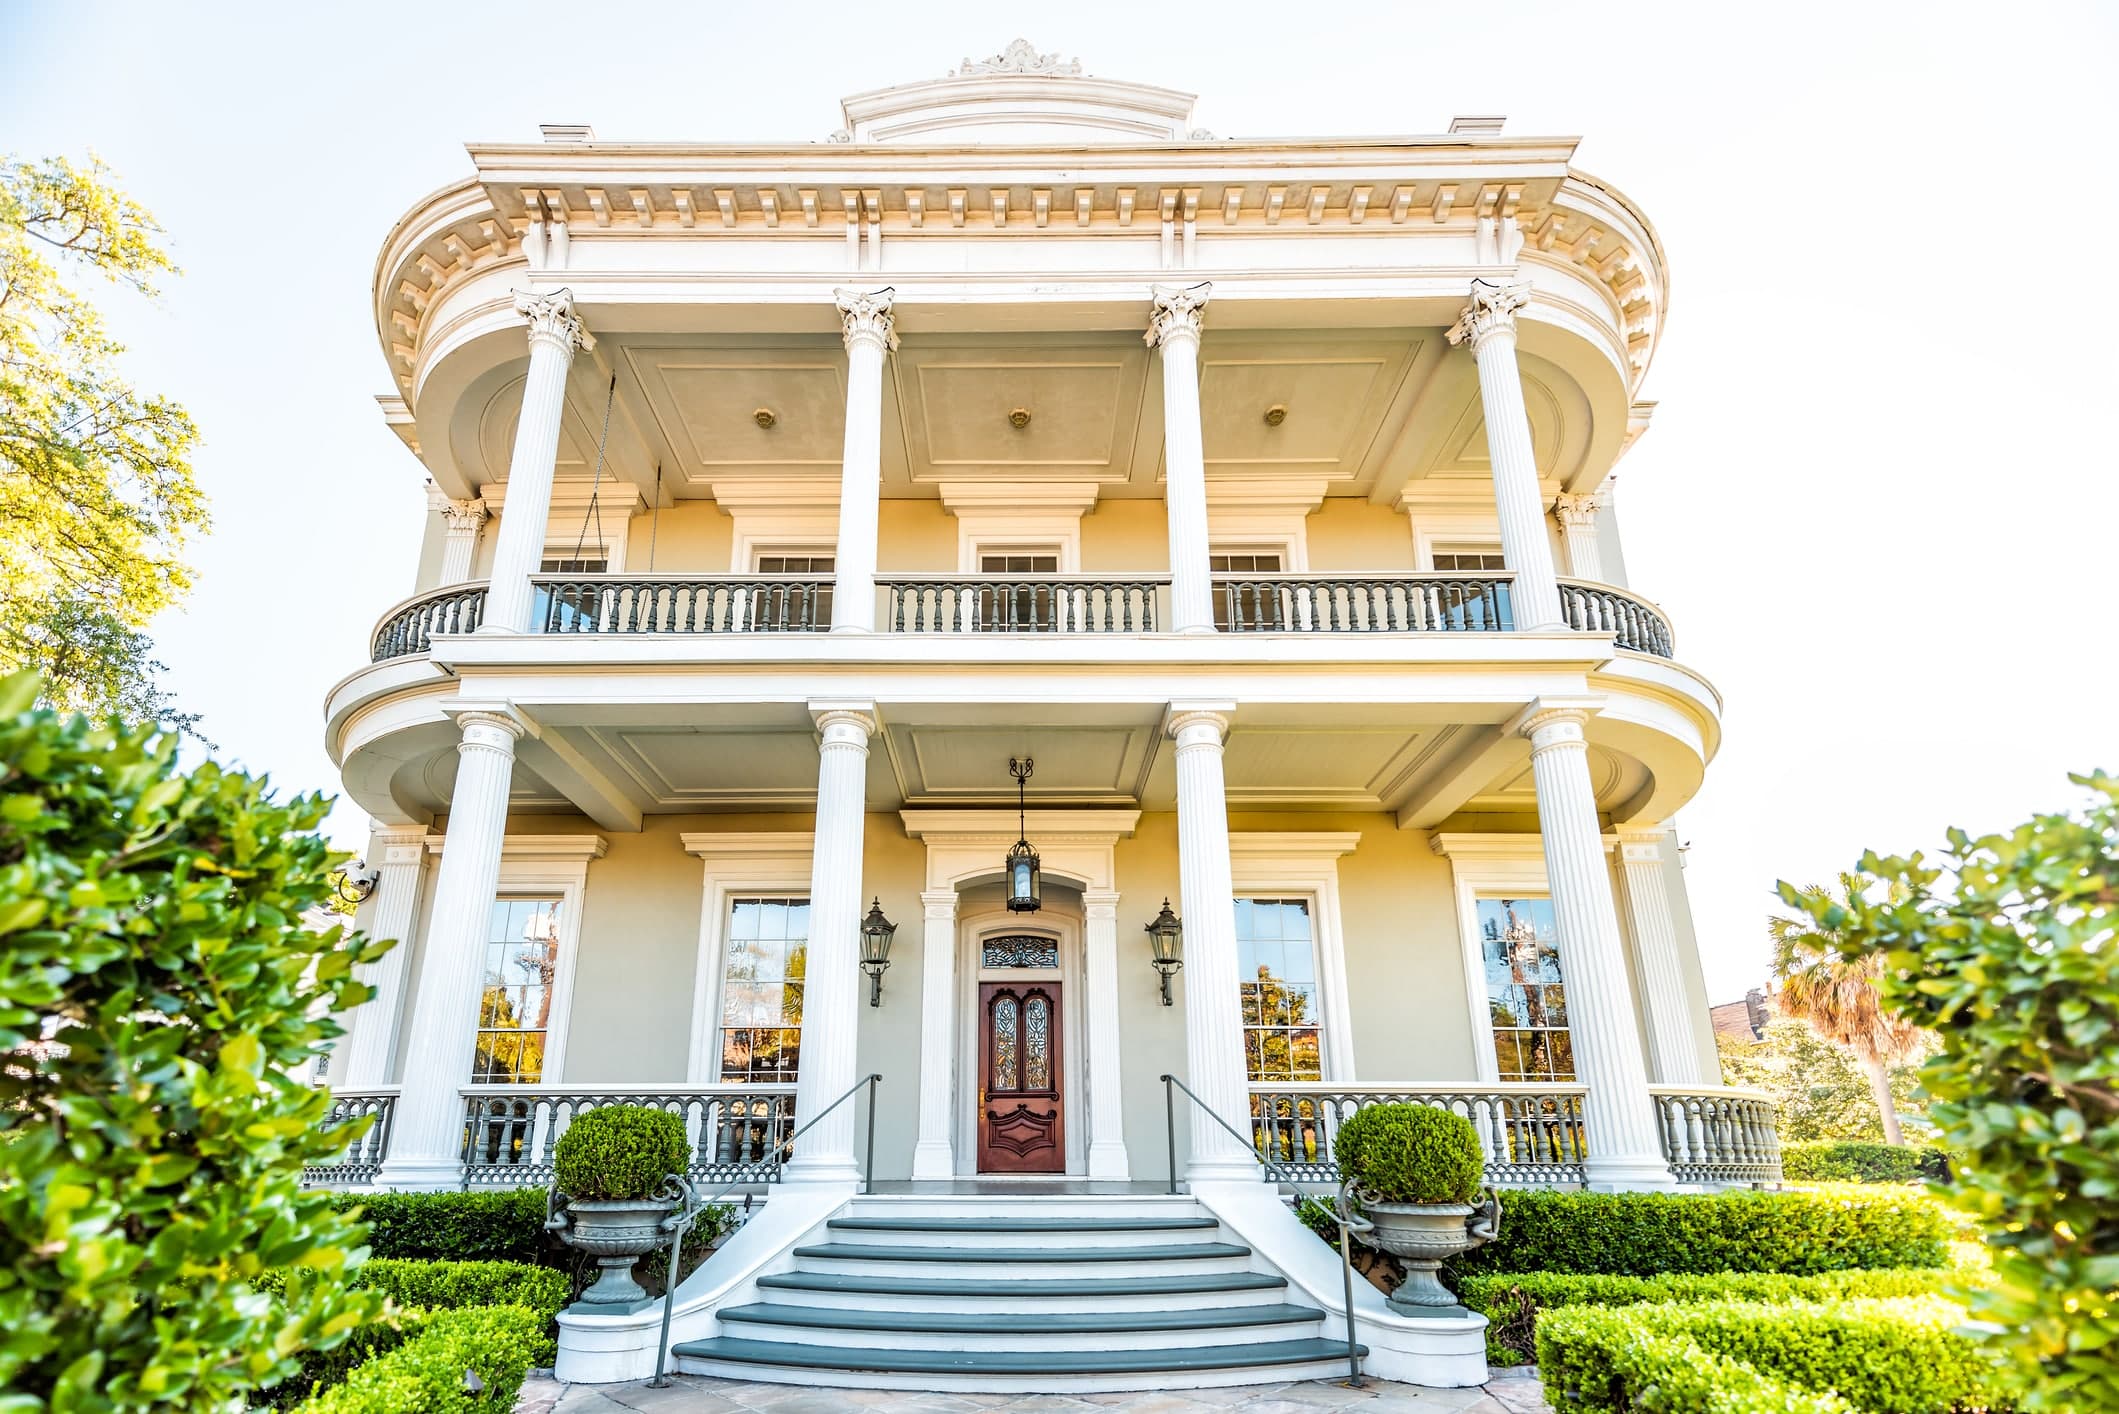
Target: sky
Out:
[1877,499]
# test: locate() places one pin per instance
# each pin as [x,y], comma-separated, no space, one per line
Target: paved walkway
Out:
[690,1394]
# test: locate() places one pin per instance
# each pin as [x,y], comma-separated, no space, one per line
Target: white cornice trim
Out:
[1455,845]
[748,844]
[1294,844]
[580,848]
[962,825]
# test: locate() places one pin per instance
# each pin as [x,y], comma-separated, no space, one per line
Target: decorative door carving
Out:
[1019,1079]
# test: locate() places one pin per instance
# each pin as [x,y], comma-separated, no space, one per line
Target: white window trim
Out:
[1490,866]
[786,535]
[759,549]
[772,864]
[1285,536]
[1290,561]
[1285,863]
[1037,536]
[1446,532]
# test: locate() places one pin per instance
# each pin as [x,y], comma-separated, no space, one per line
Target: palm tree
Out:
[1839,997]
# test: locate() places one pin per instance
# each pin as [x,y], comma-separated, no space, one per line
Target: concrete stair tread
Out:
[876,1252]
[1035,1323]
[1087,1286]
[1012,1362]
[978,1225]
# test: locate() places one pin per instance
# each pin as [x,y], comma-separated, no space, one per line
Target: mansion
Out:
[1058,655]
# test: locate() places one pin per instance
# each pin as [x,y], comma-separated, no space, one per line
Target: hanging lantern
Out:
[1025,873]
[877,932]
[1166,936]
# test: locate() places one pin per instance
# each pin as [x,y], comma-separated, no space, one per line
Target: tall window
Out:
[1277,962]
[1526,998]
[1026,607]
[761,989]
[1469,561]
[584,563]
[1258,607]
[796,606]
[515,1007]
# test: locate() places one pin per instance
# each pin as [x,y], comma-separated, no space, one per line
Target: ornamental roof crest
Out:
[1020,57]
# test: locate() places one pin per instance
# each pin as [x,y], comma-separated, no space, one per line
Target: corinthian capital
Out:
[1492,310]
[1179,310]
[553,321]
[867,317]
[1579,511]
[463,517]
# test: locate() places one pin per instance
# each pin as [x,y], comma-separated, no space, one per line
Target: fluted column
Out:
[555,333]
[934,1155]
[399,853]
[1107,1129]
[1673,1053]
[461,523]
[831,992]
[1174,328]
[871,332]
[426,1137]
[1213,1014]
[1488,324]
[1577,516]
[1621,1123]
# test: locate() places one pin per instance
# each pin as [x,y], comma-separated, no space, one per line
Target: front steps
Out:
[1008,1295]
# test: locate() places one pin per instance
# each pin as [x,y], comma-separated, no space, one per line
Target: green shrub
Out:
[1411,1154]
[503,1226]
[151,1156]
[448,1285]
[1881,1356]
[620,1151]
[1646,1234]
[1855,1161]
[1593,1359]
[321,1369]
[1512,1302]
[500,1344]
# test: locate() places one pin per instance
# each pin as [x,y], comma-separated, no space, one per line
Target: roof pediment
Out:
[1018,97]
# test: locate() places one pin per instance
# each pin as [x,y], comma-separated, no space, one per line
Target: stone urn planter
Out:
[617,1184]
[1413,1187]
[617,1232]
[1421,1236]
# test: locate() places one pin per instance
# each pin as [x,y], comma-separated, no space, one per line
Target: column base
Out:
[1196,629]
[933,1161]
[411,1175]
[1210,1169]
[852,628]
[1627,1175]
[826,1169]
[496,629]
[1109,1161]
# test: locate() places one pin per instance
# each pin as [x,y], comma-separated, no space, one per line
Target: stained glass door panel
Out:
[1020,1104]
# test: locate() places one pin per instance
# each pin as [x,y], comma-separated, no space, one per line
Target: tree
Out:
[97,496]
[1839,996]
[2008,950]
[1820,1091]
[159,997]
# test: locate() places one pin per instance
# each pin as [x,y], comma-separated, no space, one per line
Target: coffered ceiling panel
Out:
[1307,409]
[941,764]
[706,404]
[1615,778]
[496,438]
[683,767]
[1360,769]
[960,406]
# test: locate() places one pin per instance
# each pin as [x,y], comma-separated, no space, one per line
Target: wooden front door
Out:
[1019,1078]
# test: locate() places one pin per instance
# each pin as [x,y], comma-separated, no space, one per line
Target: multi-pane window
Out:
[574,564]
[794,606]
[1259,607]
[1277,972]
[761,988]
[1024,606]
[1469,561]
[1526,998]
[1019,562]
[515,1005]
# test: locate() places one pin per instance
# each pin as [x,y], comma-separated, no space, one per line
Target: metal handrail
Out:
[1342,1211]
[694,1206]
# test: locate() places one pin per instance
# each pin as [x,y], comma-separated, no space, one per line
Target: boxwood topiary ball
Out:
[620,1151]
[1411,1154]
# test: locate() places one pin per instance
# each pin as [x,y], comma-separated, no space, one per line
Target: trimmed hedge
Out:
[504,1226]
[449,1285]
[1613,1363]
[1648,1234]
[501,1344]
[1850,1161]
[1882,1356]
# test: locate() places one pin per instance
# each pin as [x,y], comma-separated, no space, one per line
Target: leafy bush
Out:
[1412,1154]
[151,1149]
[448,1285]
[1852,1161]
[1881,1356]
[499,1344]
[1592,1359]
[1646,1234]
[620,1151]
[504,1226]
[321,1369]
[2006,951]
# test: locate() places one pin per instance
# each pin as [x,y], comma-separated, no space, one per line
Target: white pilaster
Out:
[1577,516]
[831,995]
[1674,1056]
[399,854]
[1488,323]
[1174,328]
[555,333]
[1624,1151]
[426,1135]
[1213,1016]
[871,332]
[1107,1129]
[461,523]
[934,1155]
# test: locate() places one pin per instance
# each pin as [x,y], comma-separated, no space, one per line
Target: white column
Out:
[871,332]
[400,854]
[1488,323]
[1623,1148]
[1174,328]
[1674,1057]
[1107,1128]
[1578,527]
[426,1136]
[831,994]
[1213,1017]
[555,333]
[934,1155]
[461,521]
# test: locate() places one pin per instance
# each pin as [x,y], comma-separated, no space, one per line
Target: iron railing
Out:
[1713,1134]
[510,1130]
[1356,603]
[1038,603]
[409,627]
[1604,608]
[1531,1135]
[364,1156]
[756,603]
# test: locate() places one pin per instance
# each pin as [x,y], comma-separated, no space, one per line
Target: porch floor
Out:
[995,1185]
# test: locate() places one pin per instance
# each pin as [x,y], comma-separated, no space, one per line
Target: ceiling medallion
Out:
[765,417]
[1276,414]
[1019,419]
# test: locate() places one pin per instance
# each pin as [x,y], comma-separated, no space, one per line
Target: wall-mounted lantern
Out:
[876,935]
[1025,871]
[1166,936]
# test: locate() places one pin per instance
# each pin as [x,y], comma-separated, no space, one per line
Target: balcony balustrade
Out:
[1603,608]
[1043,603]
[682,604]
[1718,1135]
[1531,1136]
[733,1130]
[1346,603]
[364,1156]
[410,627]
